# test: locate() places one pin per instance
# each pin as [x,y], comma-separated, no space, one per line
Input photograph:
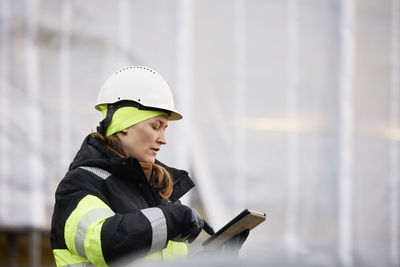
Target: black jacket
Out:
[126,192]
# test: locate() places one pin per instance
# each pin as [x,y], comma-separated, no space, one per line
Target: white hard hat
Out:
[142,85]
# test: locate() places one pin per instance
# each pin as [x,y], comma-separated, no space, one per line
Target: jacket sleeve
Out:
[89,228]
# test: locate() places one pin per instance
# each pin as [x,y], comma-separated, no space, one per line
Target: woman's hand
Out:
[196,225]
[182,221]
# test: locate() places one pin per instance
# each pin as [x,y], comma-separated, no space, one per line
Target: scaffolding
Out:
[290,107]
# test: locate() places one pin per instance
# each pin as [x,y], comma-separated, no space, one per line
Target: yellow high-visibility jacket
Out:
[106,210]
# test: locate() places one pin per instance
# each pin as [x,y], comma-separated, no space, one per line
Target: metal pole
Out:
[65,125]
[346,131]
[395,140]
[239,134]
[34,131]
[184,80]
[124,37]
[213,203]
[34,247]
[291,237]
[4,98]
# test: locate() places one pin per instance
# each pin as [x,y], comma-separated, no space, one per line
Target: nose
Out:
[162,139]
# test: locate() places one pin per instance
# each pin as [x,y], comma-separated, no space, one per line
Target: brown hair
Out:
[159,179]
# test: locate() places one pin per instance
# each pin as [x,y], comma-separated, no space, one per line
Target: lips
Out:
[155,150]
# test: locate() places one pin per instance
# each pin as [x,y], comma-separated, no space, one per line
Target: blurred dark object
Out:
[25,247]
[234,244]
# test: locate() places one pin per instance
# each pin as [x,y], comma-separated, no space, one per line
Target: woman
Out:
[116,199]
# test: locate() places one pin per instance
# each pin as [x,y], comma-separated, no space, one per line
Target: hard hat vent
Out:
[135,67]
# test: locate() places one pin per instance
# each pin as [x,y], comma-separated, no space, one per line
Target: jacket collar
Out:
[93,153]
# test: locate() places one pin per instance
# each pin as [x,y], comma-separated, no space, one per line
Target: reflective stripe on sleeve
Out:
[159,227]
[91,217]
[82,231]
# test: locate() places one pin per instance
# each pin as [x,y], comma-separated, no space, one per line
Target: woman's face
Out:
[144,139]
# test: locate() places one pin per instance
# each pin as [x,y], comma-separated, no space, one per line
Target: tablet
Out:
[246,220]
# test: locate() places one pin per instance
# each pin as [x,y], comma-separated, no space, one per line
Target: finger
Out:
[209,230]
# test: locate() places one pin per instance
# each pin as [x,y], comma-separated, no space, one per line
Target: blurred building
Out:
[290,107]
